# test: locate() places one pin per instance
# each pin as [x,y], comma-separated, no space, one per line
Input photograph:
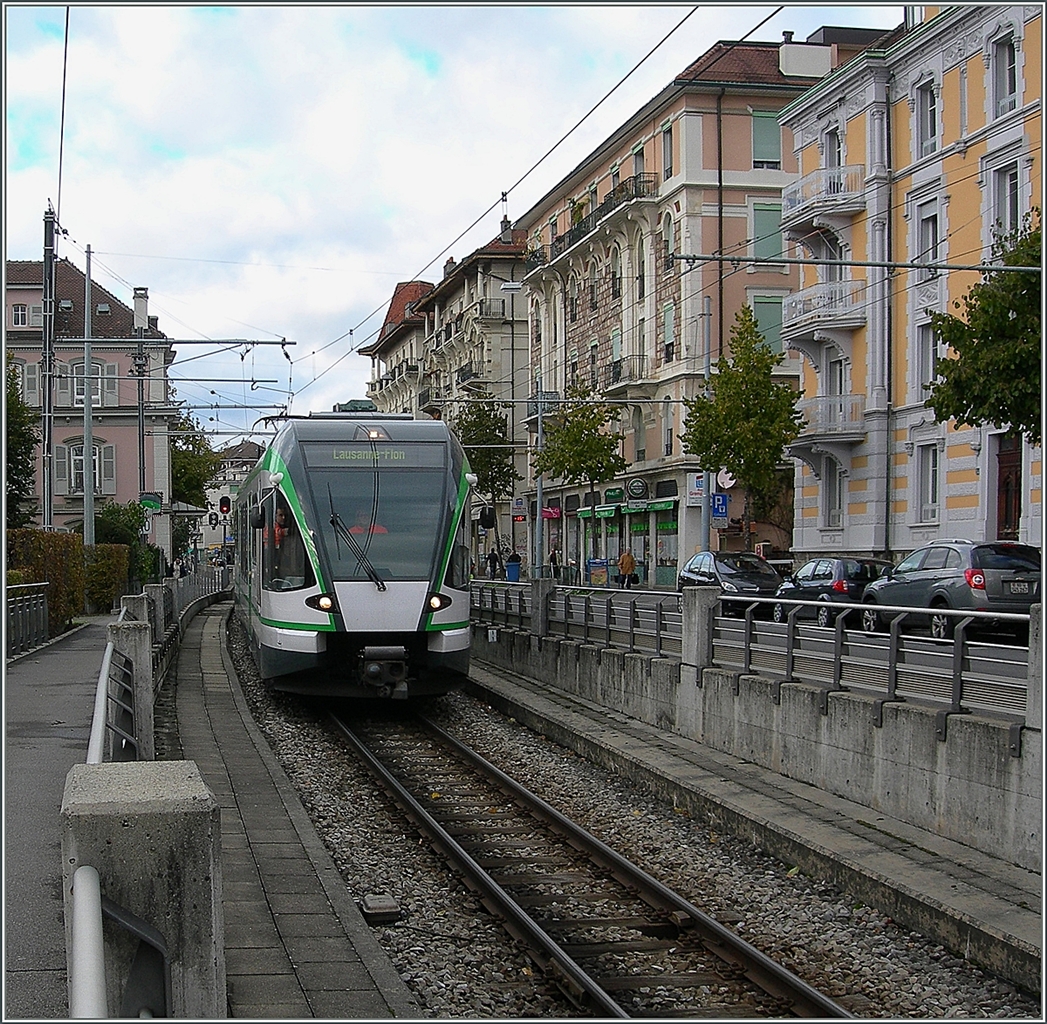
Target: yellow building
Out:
[918,150]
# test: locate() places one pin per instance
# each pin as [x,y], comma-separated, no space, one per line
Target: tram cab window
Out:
[284,562]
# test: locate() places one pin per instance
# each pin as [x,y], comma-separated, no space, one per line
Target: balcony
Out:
[550,403]
[433,398]
[836,417]
[490,309]
[639,186]
[465,372]
[832,304]
[628,377]
[828,191]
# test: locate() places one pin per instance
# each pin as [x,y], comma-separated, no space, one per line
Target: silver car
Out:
[964,575]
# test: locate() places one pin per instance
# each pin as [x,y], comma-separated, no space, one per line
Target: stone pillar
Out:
[155,592]
[137,606]
[153,833]
[699,606]
[1034,684]
[134,640]
[542,590]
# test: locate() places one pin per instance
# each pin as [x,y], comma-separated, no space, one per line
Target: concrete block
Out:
[152,830]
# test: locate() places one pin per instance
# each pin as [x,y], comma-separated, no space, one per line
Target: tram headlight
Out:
[322,602]
[438,601]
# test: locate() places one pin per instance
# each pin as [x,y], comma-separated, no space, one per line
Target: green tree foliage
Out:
[578,448]
[20,441]
[995,377]
[484,432]
[745,422]
[105,575]
[46,556]
[193,464]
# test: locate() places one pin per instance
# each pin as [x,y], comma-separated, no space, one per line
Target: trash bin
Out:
[512,572]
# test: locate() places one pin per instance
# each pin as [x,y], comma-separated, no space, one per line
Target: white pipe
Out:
[87,964]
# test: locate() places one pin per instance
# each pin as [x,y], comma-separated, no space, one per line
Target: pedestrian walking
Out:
[626,570]
[495,569]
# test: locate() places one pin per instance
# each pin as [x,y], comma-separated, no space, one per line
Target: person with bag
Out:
[626,569]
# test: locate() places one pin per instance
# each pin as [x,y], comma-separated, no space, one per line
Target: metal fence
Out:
[972,670]
[28,621]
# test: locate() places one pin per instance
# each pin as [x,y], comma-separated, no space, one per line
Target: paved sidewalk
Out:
[48,701]
[980,907]
[296,944]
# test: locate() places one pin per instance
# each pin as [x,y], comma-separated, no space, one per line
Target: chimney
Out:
[507,231]
[142,308]
[787,37]
[449,266]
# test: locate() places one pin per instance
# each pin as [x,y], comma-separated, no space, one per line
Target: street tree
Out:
[578,447]
[746,420]
[194,464]
[20,441]
[995,375]
[483,429]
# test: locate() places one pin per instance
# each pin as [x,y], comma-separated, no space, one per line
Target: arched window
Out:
[572,300]
[641,268]
[668,241]
[616,274]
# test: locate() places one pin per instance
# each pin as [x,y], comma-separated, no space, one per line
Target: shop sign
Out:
[637,488]
[614,494]
[550,512]
[695,489]
[634,507]
[638,527]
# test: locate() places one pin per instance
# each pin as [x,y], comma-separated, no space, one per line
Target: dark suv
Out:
[966,575]
[829,580]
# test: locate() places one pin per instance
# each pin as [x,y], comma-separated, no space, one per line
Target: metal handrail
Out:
[96,741]
[87,964]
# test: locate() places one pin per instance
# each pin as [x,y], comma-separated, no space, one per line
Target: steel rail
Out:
[518,922]
[760,969]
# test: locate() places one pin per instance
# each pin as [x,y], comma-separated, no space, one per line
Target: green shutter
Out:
[767,231]
[768,312]
[767,137]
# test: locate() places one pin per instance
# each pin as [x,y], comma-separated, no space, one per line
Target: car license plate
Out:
[1018,586]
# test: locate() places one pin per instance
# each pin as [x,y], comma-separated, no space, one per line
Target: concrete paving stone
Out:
[264,988]
[334,976]
[240,892]
[257,960]
[297,1010]
[279,884]
[349,1005]
[269,854]
[305,949]
[247,914]
[298,903]
[316,926]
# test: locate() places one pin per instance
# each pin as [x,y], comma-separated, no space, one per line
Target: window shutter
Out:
[670,323]
[767,231]
[768,311]
[109,469]
[109,392]
[61,469]
[36,316]
[32,384]
[616,344]
[767,137]
[64,389]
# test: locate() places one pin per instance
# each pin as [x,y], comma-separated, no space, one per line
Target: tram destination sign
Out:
[365,455]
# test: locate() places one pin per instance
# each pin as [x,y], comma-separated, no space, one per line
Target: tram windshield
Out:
[379,509]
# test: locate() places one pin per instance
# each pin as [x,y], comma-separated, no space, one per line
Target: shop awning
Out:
[602,512]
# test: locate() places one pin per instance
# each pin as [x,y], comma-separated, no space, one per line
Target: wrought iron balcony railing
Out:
[828,301]
[549,399]
[833,414]
[626,370]
[827,186]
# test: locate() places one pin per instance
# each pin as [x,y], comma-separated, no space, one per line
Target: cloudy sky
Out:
[271,172]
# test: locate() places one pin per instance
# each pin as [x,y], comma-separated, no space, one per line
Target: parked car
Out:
[965,575]
[734,572]
[829,579]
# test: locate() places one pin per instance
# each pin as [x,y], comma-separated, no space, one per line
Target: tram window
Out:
[284,564]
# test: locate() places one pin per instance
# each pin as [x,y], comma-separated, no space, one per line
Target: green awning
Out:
[635,506]
[661,506]
[602,511]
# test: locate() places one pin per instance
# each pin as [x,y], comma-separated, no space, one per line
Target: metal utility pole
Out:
[88,449]
[141,300]
[707,477]
[539,542]
[47,369]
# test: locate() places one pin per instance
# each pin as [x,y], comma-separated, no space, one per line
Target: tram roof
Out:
[347,427]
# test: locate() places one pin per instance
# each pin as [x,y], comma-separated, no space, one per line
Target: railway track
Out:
[616,941]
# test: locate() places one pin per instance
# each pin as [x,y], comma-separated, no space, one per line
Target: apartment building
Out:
[113,383]
[237,461]
[698,170]
[443,345]
[917,150]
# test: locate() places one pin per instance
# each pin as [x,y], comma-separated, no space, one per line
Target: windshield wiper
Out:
[361,558]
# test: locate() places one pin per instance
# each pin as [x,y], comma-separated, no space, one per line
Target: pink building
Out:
[114,448]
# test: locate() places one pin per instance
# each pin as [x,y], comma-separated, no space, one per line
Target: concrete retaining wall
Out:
[968,787]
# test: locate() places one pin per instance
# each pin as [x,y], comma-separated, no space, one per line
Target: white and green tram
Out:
[352,556]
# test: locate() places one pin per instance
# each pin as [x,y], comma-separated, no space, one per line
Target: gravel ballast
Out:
[461,964]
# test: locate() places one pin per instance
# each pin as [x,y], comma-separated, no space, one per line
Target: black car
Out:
[829,579]
[734,572]
[984,576]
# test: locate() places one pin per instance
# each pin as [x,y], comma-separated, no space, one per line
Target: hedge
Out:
[106,574]
[45,556]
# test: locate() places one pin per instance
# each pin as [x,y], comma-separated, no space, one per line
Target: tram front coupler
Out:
[384,670]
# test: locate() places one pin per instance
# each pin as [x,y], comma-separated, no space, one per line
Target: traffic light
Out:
[487,517]
[224,505]
[212,519]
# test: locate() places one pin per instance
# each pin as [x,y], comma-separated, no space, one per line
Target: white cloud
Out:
[360,140]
